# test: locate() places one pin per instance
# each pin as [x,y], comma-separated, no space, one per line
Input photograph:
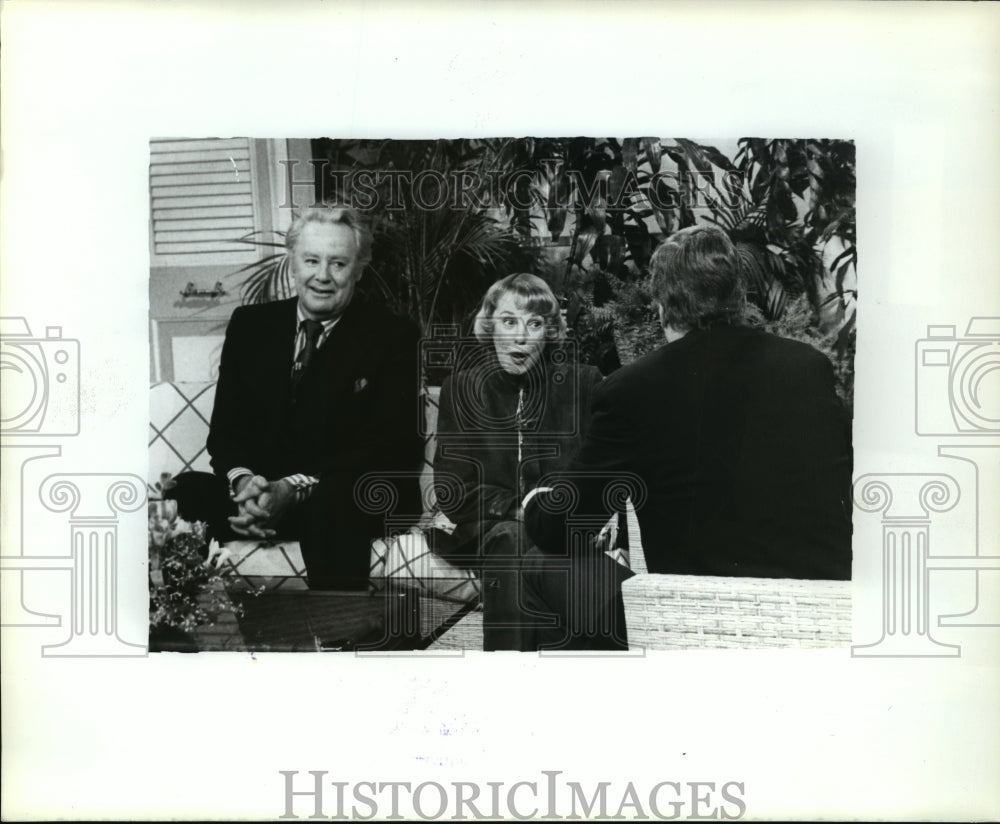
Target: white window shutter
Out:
[202,198]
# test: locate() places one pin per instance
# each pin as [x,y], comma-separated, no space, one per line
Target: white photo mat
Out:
[808,734]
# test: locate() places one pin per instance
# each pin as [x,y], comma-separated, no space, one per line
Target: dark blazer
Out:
[495,456]
[743,449]
[356,409]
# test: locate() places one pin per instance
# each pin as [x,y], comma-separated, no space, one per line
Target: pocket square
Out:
[360,384]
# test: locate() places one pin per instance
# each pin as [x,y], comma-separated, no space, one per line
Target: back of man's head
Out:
[696,278]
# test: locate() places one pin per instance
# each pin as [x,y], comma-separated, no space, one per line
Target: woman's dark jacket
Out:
[498,434]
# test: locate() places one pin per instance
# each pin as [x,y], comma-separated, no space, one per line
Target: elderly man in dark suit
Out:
[735,439]
[313,393]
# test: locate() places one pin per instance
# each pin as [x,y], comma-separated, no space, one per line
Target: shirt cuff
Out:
[532,494]
[234,474]
[302,484]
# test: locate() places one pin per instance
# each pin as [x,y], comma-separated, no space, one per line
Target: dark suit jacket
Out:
[743,449]
[356,409]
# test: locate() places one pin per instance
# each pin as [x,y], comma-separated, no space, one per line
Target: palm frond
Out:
[269,278]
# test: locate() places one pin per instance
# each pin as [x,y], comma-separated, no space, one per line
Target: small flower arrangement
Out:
[185,590]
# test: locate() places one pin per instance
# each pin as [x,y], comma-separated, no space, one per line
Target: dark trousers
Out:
[335,538]
[507,623]
[581,594]
[536,601]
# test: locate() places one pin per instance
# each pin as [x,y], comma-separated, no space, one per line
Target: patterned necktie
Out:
[313,329]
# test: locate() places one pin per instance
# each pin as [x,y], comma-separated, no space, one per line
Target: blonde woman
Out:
[514,409]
